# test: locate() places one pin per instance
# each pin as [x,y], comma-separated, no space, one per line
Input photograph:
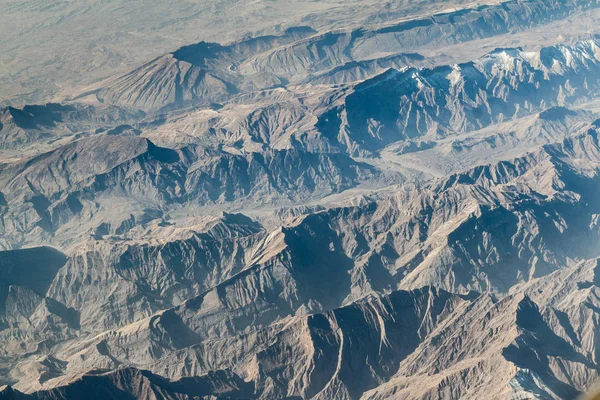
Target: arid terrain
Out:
[299,200]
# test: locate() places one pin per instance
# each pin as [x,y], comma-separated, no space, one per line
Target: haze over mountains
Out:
[47,45]
[335,201]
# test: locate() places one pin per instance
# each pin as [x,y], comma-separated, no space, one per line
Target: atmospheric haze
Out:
[275,199]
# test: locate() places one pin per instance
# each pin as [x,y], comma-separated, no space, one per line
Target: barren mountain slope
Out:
[209,72]
[48,46]
[330,259]
[402,106]
[397,208]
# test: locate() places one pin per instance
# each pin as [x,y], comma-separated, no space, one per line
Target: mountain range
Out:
[392,204]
